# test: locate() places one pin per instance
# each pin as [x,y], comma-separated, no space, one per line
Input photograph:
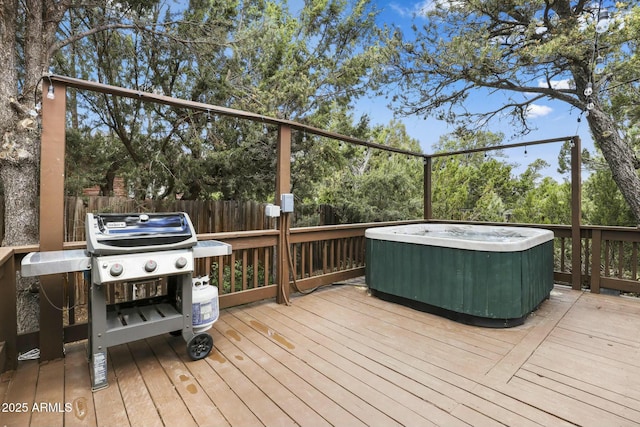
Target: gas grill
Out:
[135,249]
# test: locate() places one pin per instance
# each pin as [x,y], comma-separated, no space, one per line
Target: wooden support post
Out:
[576,214]
[8,314]
[283,186]
[596,254]
[428,201]
[52,218]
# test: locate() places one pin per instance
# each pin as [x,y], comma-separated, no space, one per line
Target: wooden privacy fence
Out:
[208,216]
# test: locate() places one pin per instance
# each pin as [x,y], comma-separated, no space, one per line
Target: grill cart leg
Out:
[97,337]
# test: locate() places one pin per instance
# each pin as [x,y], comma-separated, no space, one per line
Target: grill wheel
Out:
[199,346]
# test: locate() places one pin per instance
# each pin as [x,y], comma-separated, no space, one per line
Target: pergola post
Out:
[52,153]
[283,186]
[8,313]
[576,214]
[428,201]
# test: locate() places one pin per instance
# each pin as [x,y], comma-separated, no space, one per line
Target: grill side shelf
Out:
[54,262]
[211,248]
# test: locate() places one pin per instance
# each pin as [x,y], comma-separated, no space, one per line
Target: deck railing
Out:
[319,256]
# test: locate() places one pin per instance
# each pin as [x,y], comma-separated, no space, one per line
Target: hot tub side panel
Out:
[495,285]
[537,280]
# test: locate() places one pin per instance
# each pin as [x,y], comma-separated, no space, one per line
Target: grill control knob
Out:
[181,262]
[116,270]
[150,266]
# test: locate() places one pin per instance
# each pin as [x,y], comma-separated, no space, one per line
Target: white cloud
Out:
[400,10]
[535,111]
[421,8]
[557,84]
[417,9]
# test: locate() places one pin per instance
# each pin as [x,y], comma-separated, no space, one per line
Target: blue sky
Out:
[551,118]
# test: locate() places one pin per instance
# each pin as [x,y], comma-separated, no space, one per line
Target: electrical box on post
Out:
[286,202]
[272,211]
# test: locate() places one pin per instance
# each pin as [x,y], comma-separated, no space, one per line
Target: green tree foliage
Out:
[529,51]
[549,202]
[482,186]
[256,56]
[373,185]
[602,202]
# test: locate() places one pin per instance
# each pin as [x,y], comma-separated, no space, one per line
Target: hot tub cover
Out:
[464,236]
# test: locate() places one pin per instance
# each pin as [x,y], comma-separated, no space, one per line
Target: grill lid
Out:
[111,233]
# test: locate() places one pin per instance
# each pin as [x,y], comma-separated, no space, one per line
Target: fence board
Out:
[211,216]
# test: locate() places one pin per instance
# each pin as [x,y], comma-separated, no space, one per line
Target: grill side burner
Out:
[133,248]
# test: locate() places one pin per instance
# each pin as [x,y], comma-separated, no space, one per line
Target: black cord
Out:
[35,89]
[293,272]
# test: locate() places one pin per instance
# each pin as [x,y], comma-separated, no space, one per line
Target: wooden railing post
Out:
[52,219]
[576,214]
[283,186]
[428,201]
[8,314]
[596,255]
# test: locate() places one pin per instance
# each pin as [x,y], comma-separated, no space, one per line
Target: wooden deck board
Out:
[318,372]
[20,395]
[625,353]
[77,388]
[273,379]
[367,326]
[338,348]
[233,409]
[349,374]
[547,318]
[341,357]
[352,372]
[568,408]
[459,394]
[140,406]
[299,379]
[166,399]
[49,406]
[427,326]
[256,399]
[388,368]
[5,379]
[573,389]
[109,405]
[200,406]
[620,379]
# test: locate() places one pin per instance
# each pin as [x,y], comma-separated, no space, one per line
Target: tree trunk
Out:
[619,156]
[19,130]
[19,151]
[19,177]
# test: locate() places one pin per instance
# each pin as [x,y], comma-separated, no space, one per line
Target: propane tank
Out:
[205,304]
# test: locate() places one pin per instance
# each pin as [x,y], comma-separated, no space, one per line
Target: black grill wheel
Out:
[199,346]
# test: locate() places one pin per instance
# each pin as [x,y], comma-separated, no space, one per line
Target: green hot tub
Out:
[484,275]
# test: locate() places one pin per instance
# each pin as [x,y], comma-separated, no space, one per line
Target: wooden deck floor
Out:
[341,357]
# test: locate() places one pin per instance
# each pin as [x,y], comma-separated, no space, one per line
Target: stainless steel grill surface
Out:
[126,233]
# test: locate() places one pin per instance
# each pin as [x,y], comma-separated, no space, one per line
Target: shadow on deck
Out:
[341,357]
